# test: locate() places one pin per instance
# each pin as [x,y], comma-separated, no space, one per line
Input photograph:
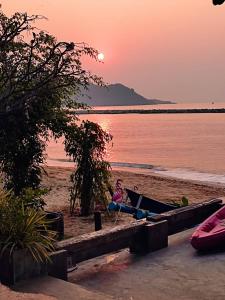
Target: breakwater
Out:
[154,111]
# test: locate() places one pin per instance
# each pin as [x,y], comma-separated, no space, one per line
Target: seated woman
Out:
[118,194]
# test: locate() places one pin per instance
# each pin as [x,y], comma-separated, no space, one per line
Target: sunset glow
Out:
[165,49]
[105,107]
[101,56]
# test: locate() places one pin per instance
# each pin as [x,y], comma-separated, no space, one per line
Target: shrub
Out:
[181,203]
[91,178]
[23,228]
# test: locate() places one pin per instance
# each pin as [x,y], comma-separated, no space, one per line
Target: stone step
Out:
[59,289]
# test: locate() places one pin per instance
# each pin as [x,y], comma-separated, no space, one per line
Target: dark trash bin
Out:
[57,223]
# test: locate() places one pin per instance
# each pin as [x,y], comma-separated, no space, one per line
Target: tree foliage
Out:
[86,144]
[39,77]
[218,2]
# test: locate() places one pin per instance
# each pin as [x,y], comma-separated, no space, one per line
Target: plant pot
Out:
[57,223]
[19,266]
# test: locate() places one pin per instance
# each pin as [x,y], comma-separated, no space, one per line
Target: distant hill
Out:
[116,94]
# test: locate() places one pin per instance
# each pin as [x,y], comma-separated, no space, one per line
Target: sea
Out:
[185,146]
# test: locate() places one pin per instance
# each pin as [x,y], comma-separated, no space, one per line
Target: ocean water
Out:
[188,146]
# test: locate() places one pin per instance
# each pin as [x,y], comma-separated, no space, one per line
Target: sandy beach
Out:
[57,179]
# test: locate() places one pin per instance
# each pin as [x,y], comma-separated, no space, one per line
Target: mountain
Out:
[115,94]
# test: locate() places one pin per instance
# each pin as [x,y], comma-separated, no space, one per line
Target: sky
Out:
[164,49]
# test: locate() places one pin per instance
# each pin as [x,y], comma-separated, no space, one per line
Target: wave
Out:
[185,174]
[131,165]
[179,173]
[51,161]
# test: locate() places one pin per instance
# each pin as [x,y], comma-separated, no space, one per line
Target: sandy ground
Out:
[7,294]
[155,186]
[57,179]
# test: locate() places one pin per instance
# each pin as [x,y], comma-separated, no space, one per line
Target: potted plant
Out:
[34,198]
[25,240]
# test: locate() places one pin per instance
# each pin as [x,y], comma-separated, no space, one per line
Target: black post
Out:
[98,220]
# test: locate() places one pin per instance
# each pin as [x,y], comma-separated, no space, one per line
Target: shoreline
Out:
[148,169]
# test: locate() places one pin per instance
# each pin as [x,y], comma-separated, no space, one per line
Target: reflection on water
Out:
[194,142]
[105,123]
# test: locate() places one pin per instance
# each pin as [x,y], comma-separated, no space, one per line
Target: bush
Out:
[24,228]
[91,179]
[181,203]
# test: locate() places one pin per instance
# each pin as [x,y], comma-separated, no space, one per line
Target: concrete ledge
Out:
[20,265]
[141,236]
[58,266]
[151,237]
[59,289]
[188,216]
[101,242]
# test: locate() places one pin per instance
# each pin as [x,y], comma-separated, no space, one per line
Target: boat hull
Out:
[150,204]
[211,233]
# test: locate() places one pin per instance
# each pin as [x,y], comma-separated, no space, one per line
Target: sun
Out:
[101,56]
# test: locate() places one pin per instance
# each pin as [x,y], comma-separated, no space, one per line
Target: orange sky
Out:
[165,49]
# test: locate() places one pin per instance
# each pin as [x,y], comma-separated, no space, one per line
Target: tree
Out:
[39,77]
[91,178]
[218,2]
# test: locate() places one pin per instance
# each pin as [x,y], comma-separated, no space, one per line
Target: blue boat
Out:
[137,213]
